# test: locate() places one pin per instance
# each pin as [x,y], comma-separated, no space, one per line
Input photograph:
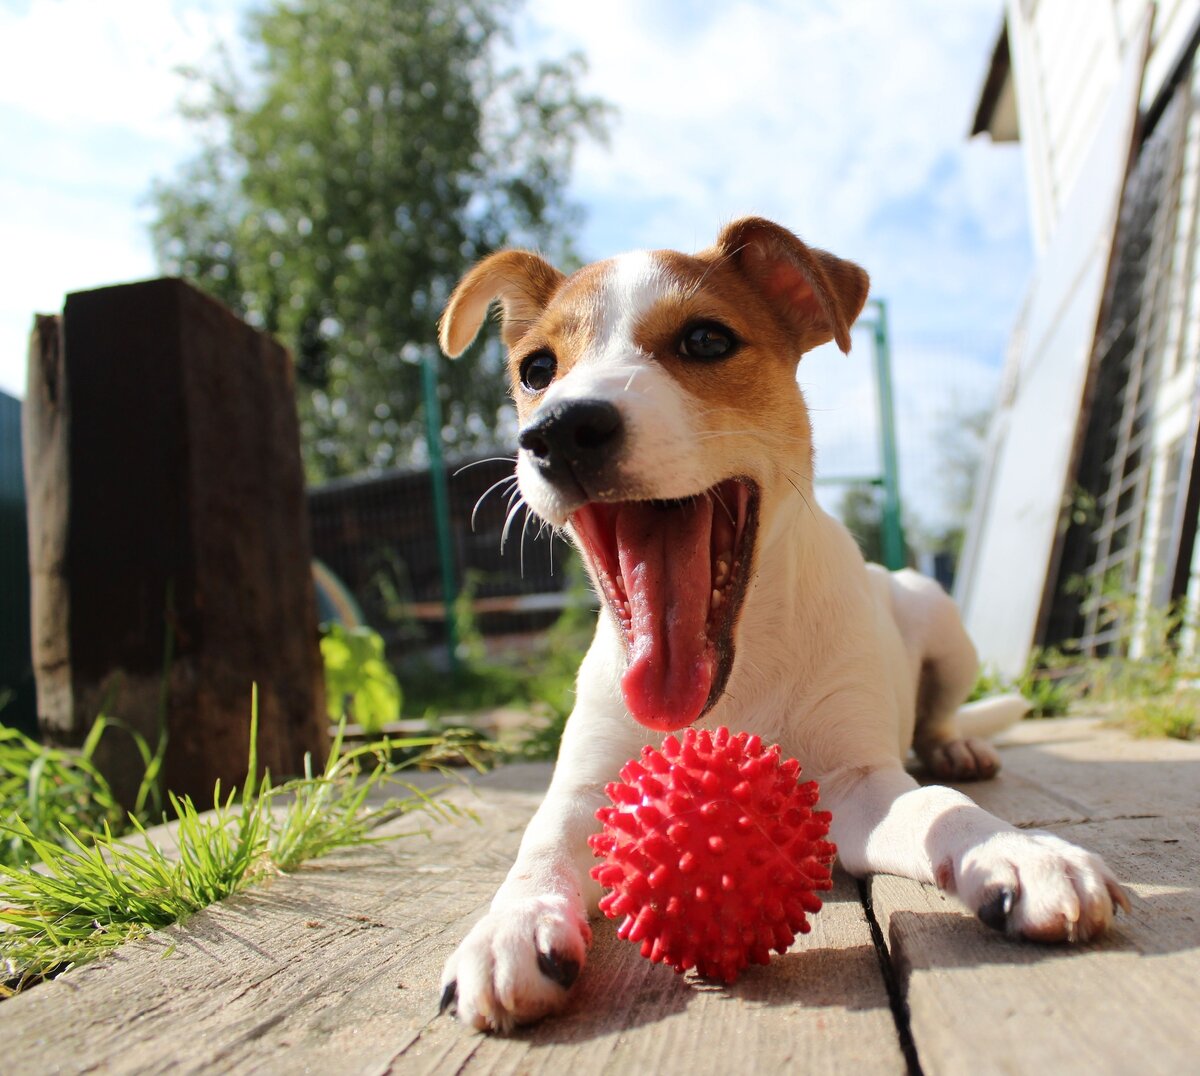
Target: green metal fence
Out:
[895,547]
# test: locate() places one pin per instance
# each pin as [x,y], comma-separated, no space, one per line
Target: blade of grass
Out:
[93,891]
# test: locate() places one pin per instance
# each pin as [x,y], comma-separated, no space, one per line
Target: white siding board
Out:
[1031,109]
[1173,23]
[1018,526]
[1065,56]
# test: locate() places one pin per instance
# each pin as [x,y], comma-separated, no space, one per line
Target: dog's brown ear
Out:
[818,294]
[522,281]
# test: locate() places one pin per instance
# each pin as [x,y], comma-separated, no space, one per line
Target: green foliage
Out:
[45,787]
[1149,631]
[552,682]
[1177,717]
[53,790]
[359,683]
[1152,694]
[1042,685]
[861,510]
[540,680]
[376,149]
[89,894]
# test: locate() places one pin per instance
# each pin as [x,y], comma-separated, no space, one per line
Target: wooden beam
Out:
[168,521]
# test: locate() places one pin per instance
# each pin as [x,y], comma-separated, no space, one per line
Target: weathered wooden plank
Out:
[167,494]
[821,1007]
[982,1003]
[335,969]
[1091,769]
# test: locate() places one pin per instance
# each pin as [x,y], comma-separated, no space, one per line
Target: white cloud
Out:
[819,114]
[845,121]
[930,388]
[79,63]
[87,120]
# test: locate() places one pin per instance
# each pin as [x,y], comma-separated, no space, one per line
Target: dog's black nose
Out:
[575,439]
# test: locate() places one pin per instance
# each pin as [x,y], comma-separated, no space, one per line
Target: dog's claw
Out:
[449,996]
[994,911]
[558,968]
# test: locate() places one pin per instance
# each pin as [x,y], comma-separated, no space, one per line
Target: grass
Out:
[86,894]
[54,791]
[1153,694]
[541,681]
[1041,684]
[1177,717]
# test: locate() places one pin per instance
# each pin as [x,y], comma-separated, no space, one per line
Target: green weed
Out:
[1177,717]
[1042,684]
[540,680]
[87,894]
[359,684]
[54,790]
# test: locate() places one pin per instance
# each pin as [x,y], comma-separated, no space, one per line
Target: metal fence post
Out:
[894,552]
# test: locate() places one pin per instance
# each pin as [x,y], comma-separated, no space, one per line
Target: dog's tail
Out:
[987,717]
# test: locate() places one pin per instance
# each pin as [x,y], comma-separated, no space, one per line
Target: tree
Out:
[962,436]
[861,510]
[376,150]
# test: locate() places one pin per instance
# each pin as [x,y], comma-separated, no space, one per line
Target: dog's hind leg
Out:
[947,666]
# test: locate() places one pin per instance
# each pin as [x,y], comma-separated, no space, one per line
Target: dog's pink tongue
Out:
[667,570]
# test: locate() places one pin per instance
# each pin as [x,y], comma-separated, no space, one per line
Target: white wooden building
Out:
[1091,476]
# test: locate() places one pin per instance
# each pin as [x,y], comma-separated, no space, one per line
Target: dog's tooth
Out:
[716,599]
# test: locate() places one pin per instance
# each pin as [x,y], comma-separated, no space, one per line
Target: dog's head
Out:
[661,420]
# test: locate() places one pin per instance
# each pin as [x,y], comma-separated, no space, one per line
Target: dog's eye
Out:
[706,340]
[537,370]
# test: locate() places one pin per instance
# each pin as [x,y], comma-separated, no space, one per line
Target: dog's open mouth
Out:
[674,574]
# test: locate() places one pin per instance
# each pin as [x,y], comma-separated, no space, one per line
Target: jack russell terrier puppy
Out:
[662,428]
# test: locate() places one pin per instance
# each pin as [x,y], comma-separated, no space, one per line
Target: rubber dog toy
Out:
[713,852]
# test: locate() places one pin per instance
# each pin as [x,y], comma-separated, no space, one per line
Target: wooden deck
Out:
[335,969]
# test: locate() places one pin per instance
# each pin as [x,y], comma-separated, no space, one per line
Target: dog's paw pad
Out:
[995,910]
[1039,887]
[517,963]
[968,759]
[562,969]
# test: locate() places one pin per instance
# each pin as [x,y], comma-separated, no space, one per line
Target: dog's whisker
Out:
[512,512]
[524,532]
[484,495]
[807,503]
[695,288]
[479,463]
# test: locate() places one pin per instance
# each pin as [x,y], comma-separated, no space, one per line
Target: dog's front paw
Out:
[1037,886]
[517,963]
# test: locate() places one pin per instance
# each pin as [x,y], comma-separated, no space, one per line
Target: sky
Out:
[845,120]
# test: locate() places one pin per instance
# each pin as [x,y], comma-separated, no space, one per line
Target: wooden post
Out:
[167,513]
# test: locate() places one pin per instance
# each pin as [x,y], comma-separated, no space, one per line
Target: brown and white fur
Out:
[843,664]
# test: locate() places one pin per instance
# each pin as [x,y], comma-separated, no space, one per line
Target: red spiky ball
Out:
[712,852]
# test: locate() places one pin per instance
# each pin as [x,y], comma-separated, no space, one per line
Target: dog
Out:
[661,426]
